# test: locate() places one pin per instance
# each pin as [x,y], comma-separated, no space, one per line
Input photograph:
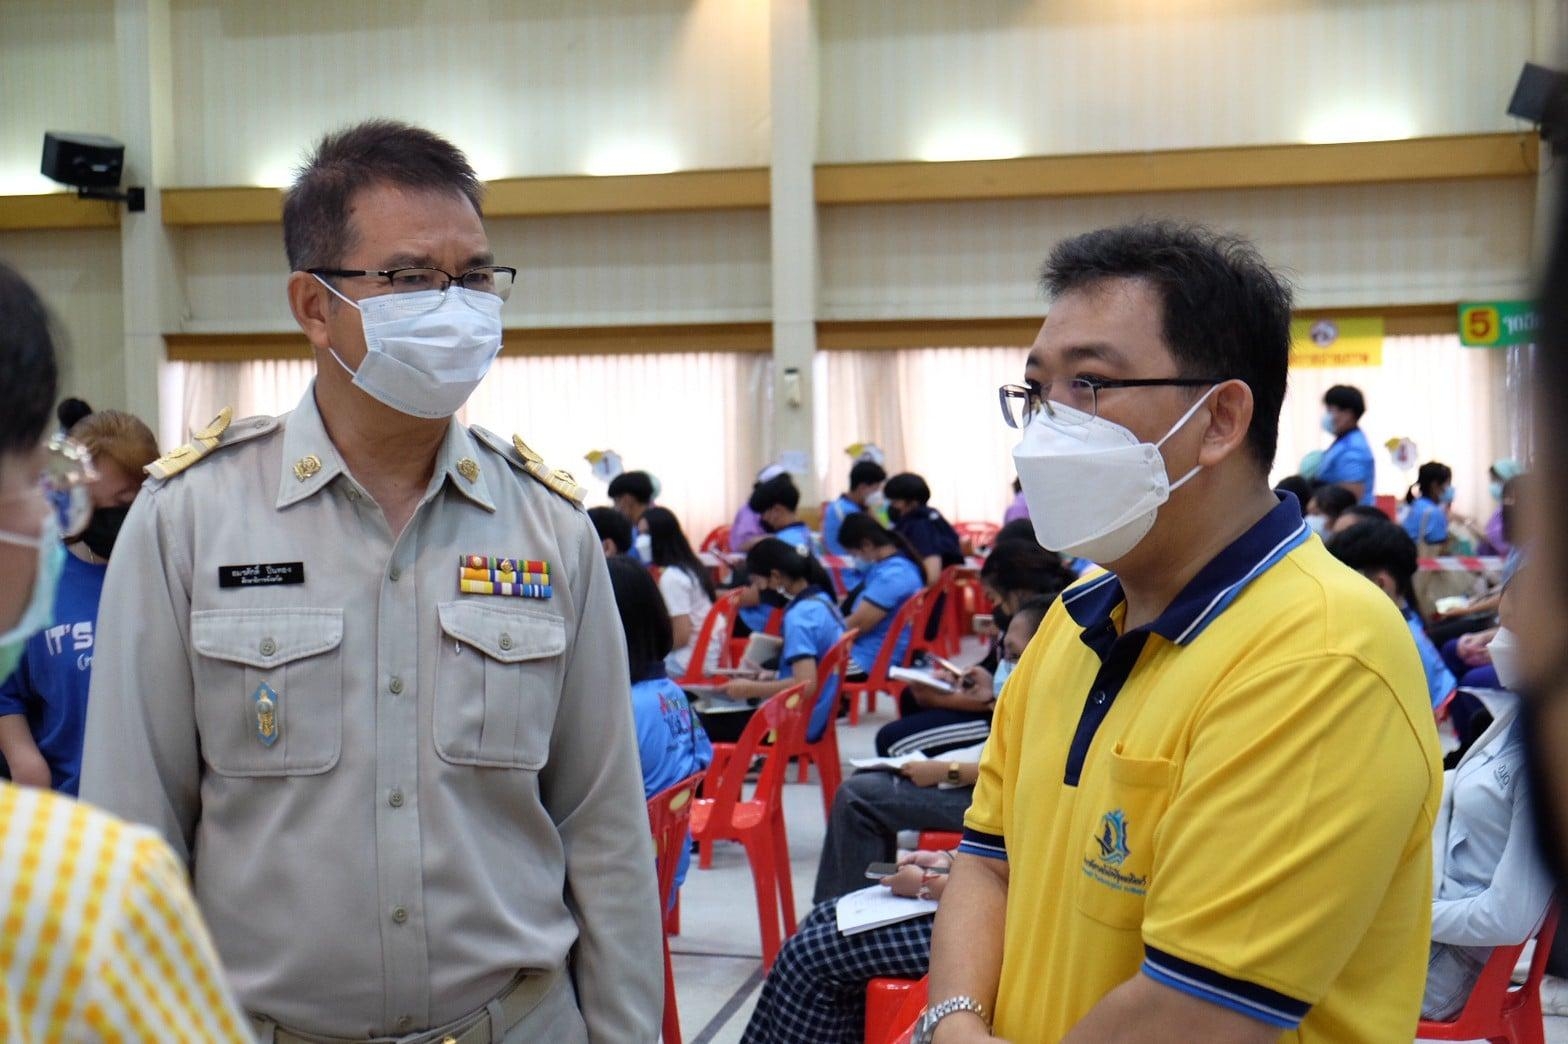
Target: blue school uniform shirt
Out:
[50,683]
[1439,679]
[671,743]
[888,585]
[812,623]
[832,519]
[1426,521]
[1350,459]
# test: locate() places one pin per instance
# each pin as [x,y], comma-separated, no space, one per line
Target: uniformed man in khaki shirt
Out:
[362,665]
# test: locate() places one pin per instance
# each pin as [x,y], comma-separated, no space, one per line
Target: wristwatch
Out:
[952,772]
[925,1029]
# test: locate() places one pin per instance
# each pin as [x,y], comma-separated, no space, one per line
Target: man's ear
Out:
[309,300]
[1230,416]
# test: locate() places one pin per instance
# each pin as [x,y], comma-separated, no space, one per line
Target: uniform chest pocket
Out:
[269,690]
[1124,806]
[498,678]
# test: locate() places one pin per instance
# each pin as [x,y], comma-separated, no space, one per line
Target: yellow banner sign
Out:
[1336,342]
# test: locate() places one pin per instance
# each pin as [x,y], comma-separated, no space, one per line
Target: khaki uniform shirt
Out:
[448,789]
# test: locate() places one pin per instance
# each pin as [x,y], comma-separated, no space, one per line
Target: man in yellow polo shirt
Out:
[1205,809]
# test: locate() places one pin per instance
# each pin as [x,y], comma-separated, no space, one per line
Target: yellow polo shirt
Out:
[1237,800]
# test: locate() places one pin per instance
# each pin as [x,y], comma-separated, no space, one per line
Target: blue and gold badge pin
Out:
[516,577]
[264,704]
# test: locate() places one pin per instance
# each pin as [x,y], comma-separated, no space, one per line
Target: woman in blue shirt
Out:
[865,488]
[812,623]
[775,502]
[1348,461]
[891,575]
[1426,518]
[670,741]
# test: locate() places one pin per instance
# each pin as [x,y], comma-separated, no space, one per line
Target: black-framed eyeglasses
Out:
[486,279]
[1021,403]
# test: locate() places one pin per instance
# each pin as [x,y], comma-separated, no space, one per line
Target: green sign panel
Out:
[1497,324]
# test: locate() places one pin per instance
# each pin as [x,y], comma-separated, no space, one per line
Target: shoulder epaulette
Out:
[205,440]
[556,480]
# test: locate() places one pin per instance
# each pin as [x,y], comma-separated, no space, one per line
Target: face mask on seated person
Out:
[1505,651]
[643,546]
[1004,670]
[104,529]
[1092,487]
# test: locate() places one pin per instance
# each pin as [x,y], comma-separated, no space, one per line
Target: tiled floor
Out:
[717,955]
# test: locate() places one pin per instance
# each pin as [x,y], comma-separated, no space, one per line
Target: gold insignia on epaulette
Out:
[203,441]
[558,481]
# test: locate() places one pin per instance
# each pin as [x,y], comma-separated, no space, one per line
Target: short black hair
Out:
[613,526]
[1378,543]
[778,491]
[907,485]
[1363,512]
[1298,487]
[1025,566]
[1347,398]
[649,634]
[27,359]
[1225,314]
[317,209]
[1332,500]
[70,412]
[866,473]
[1017,529]
[1034,609]
[770,554]
[861,528]
[635,484]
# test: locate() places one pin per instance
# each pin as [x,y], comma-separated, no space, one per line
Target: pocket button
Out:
[268,647]
[506,641]
[396,686]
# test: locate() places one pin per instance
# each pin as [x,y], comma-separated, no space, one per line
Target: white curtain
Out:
[933,410]
[697,421]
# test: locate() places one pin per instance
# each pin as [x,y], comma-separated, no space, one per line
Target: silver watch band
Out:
[942,1009]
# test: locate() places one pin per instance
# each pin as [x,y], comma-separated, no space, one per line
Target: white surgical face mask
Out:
[425,357]
[1092,488]
[644,547]
[1004,670]
[1318,524]
[875,501]
[1505,652]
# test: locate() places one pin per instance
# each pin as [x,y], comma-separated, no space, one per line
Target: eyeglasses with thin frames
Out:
[1022,403]
[486,279]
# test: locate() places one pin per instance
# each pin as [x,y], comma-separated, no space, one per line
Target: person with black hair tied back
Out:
[684,582]
[914,519]
[890,576]
[671,743]
[812,623]
[864,495]
[1324,507]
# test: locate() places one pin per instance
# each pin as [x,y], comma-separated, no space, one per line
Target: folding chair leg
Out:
[786,879]
[764,878]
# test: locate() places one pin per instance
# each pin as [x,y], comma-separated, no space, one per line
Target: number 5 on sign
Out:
[1481,324]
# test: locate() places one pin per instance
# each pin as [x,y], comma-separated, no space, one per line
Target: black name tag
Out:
[261,575]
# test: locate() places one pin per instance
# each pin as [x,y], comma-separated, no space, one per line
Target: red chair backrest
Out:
[784,715]
[834,662]
[1494,999]
[909,1013]
[669,812]
[718,539]
[715,628]
[980,535]
[911,614]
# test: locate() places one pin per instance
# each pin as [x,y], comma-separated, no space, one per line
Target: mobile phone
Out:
[949,665]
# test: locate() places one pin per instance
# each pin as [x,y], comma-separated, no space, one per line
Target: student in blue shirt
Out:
[892,576]
[671,743]
[1426,518]
[812,623]
[775,502]
[865,490]
[43,705]
[1383,553]
[1348,461]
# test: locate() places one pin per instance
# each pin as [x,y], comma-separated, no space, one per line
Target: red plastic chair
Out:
[1498,1011]
[715,628]
[824,752]
[934,603]
[893,1006]
[718,539]
[940,840]
[669,813]
[979,535]
[910,615]
[757,823]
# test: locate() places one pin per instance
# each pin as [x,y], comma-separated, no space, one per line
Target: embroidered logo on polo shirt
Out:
[1105,867]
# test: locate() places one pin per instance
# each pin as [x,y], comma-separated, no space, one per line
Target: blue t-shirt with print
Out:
[1350,459]
[1426,521]
[50,684]
[671,743]
[888,585]
[812,623]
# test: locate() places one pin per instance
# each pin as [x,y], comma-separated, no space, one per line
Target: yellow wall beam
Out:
[56,210]
[1184,170]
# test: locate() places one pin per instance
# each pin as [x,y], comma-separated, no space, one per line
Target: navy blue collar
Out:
[1209,593]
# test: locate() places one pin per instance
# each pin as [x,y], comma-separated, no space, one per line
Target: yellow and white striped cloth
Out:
[100,938]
